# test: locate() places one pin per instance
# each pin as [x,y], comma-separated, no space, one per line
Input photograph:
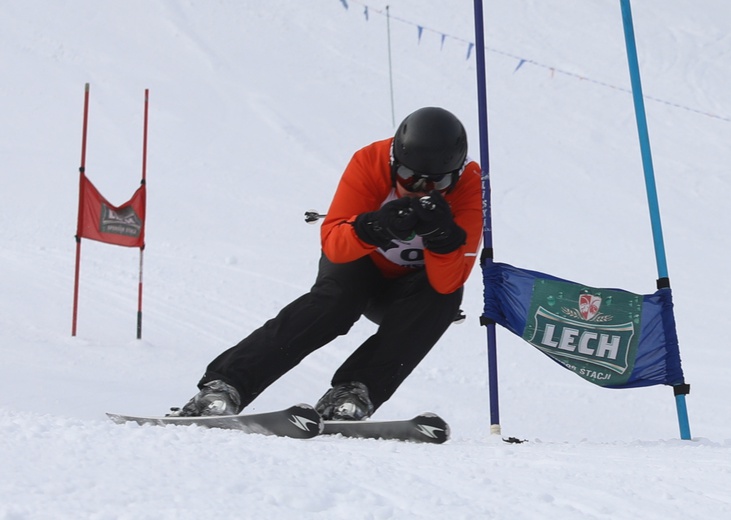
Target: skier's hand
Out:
[436,225]
[395,220]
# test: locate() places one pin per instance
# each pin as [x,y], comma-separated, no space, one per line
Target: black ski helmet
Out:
[431,141]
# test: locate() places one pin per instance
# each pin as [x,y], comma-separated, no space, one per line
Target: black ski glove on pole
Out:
[395,220]
[436,226]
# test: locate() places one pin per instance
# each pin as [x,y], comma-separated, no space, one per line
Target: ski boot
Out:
[215,398]
[345,402]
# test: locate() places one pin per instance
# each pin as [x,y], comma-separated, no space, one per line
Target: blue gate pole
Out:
[662,269]
[487,253]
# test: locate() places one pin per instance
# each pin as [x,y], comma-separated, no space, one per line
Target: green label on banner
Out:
[593,332]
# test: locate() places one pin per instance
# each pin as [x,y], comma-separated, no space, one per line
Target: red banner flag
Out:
[119,225]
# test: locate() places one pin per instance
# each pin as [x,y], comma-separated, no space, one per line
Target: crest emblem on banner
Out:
[589,305]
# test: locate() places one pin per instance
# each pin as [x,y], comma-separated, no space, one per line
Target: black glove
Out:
[436,226]
[395,220]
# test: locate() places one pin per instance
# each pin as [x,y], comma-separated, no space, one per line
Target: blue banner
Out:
[610,337]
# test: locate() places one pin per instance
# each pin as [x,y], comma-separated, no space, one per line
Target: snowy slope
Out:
[255,108]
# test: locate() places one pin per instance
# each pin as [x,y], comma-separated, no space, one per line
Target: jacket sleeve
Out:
[365,184]
[449,272]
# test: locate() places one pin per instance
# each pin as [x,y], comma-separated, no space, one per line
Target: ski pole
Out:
[313,215]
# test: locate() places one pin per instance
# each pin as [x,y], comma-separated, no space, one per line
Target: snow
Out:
[255,108]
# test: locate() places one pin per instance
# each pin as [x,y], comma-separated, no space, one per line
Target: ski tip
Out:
[434,428]
[306,418]
[116,418]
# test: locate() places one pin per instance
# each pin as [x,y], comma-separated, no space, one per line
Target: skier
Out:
[398,243]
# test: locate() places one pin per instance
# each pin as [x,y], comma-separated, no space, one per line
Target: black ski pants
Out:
[411,316]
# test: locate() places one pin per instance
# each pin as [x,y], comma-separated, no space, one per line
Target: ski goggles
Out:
[420,182]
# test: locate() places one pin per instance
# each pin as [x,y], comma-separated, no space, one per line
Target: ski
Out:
[299,422]
[426,427]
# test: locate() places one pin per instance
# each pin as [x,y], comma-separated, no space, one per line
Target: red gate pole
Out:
[79,221]
[144,181]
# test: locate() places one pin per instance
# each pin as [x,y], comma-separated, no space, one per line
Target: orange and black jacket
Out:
[365,186]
